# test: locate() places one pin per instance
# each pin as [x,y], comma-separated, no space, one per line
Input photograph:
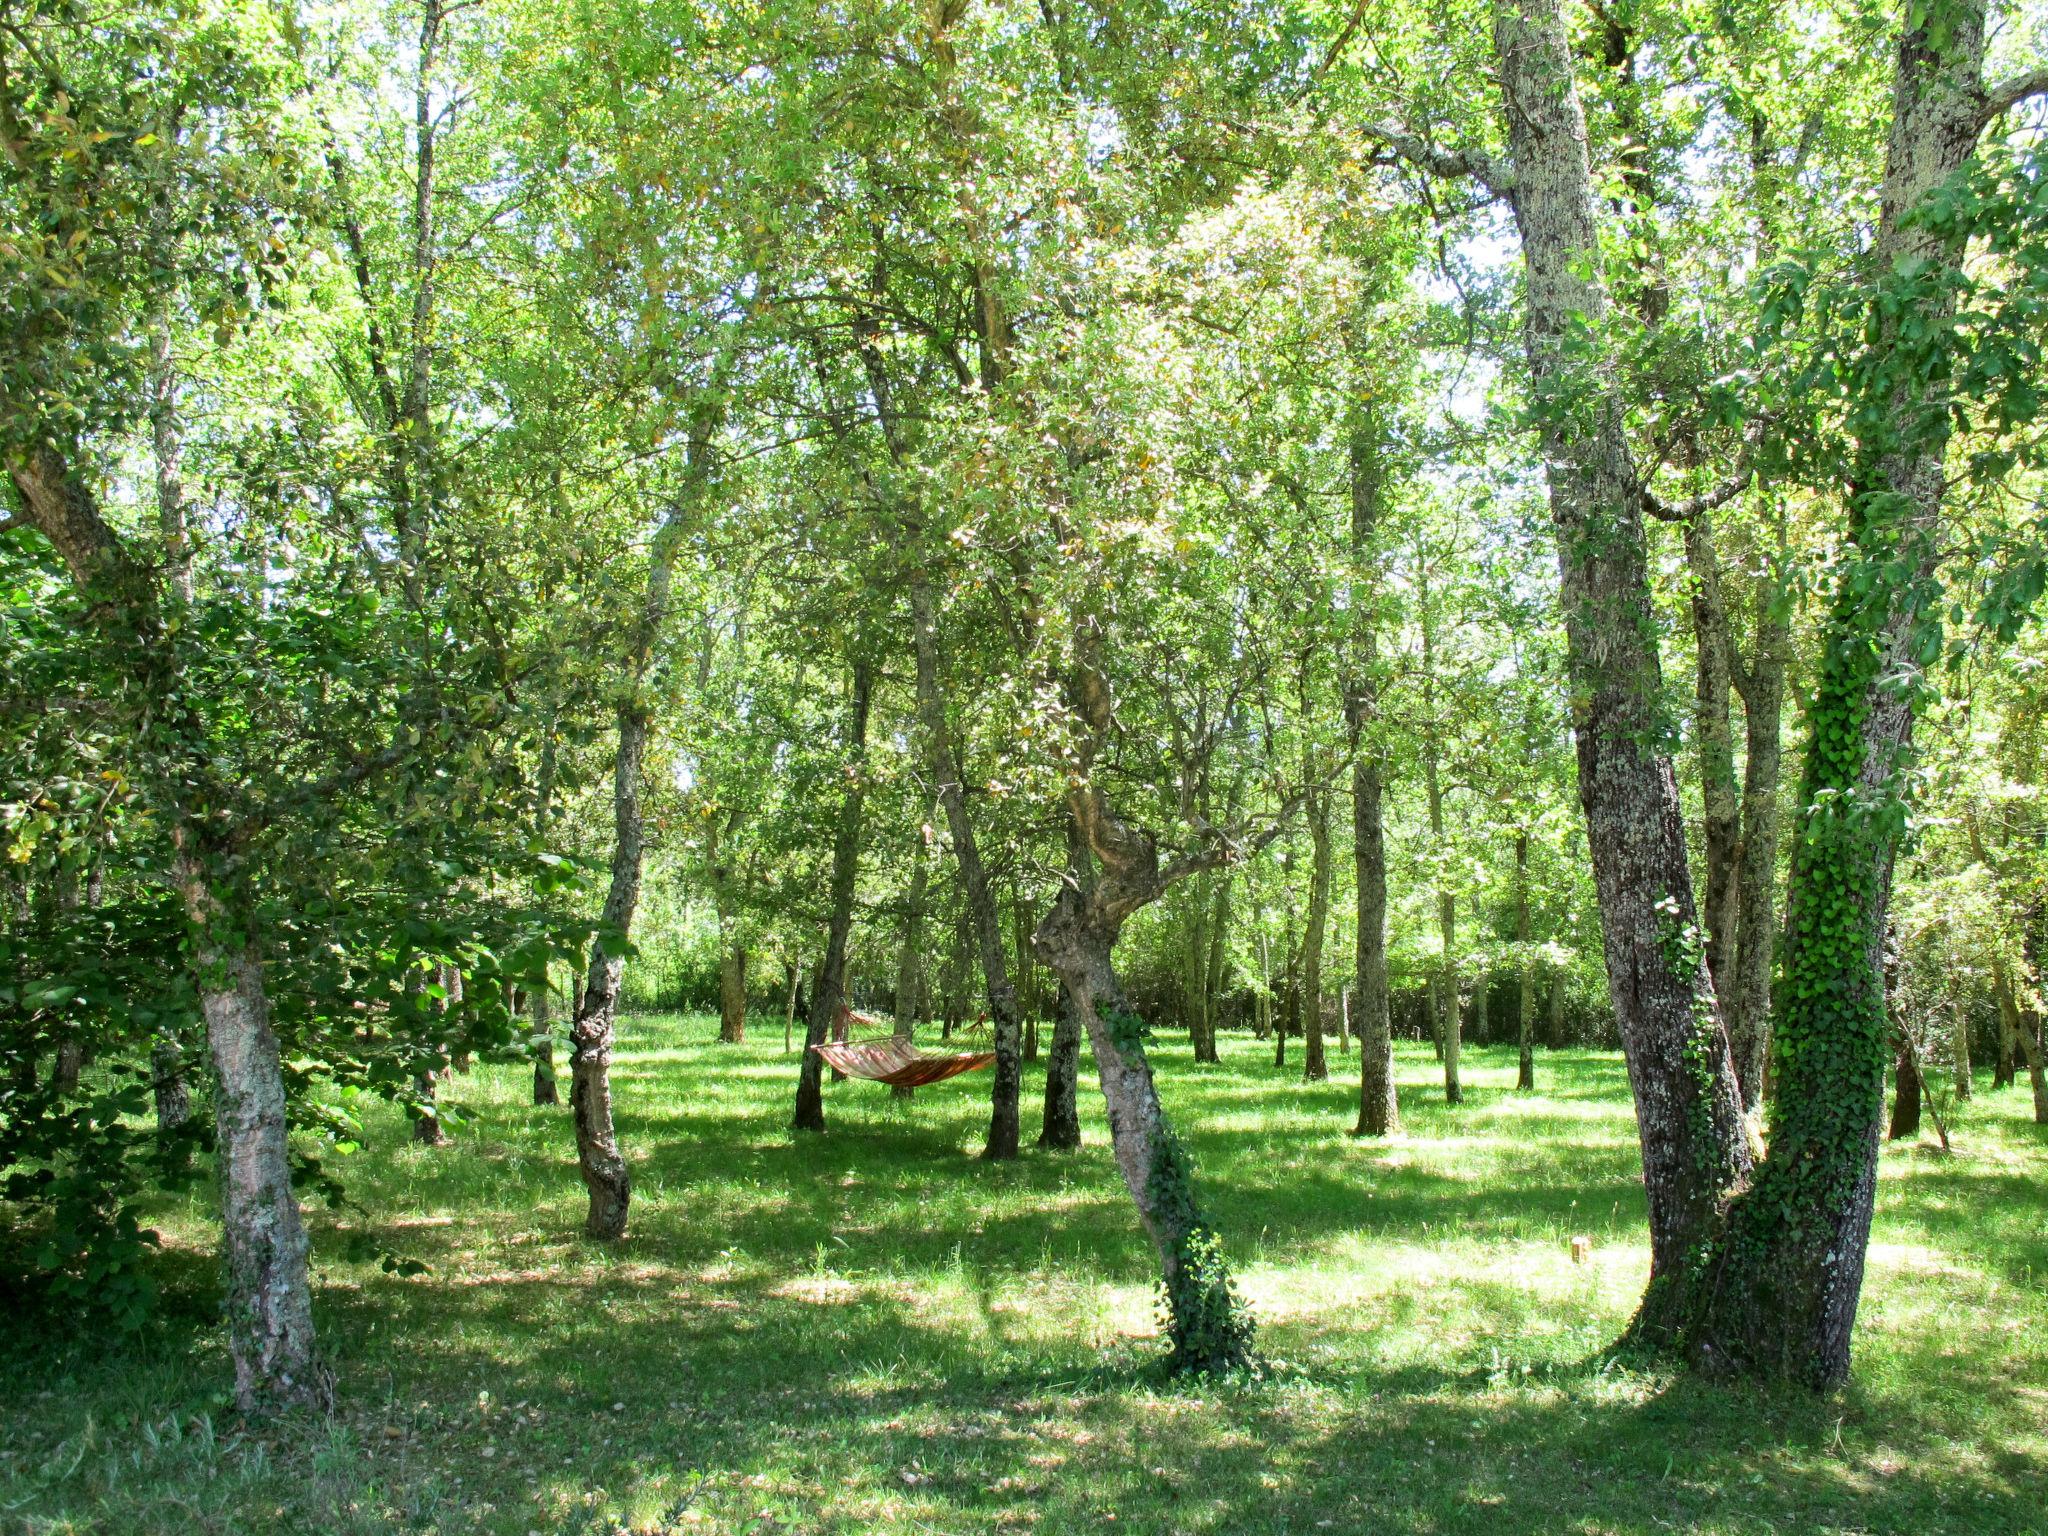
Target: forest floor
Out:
[875,1332]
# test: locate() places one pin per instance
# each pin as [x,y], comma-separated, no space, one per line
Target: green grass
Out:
[874,1332]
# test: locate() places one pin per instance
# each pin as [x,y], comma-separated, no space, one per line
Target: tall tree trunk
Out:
[1003,1128]
[1789,1271]
[1379,1109]
[1525,1004]
[540,1035]
[828,984]
[594,1025]
[1444,985]
[1315,1068]
[1688,1109]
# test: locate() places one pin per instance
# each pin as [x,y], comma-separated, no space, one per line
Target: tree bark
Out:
[828,983]
[1003,1128]
[1688,1108]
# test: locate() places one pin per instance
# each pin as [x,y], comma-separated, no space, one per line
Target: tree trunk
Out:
[269,1297]
[981,905]
[1444,986]
[1790,1269]
[269,1302]
[1959,1044]
[910,958]
[732,989]
[1747,1001]
[1219,937]
[167,1078]
[593,1027]
[1908,1092]
[1525,1004]
[1688,1109]
[1315,1067]
[1379,1109]
[542,1040]
[1062,1129]
[828,984]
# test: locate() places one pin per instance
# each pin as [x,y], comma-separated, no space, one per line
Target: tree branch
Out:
[2007,94]
[1451,164]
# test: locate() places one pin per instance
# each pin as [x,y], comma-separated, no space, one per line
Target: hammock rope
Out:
[894,1060]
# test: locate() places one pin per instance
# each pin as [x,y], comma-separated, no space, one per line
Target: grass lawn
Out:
[874,1332]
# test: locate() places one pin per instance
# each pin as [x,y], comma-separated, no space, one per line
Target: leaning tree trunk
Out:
[1688,1109]
[981,904]
[1207,1326]
[1788,1274]
[828,984]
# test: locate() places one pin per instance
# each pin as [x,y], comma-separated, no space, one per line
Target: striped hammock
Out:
[899,1063]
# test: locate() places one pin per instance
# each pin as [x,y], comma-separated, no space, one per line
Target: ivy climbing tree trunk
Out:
[1782,1285]
[828,984]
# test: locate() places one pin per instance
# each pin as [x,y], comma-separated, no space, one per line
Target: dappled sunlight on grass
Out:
[877,1331]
